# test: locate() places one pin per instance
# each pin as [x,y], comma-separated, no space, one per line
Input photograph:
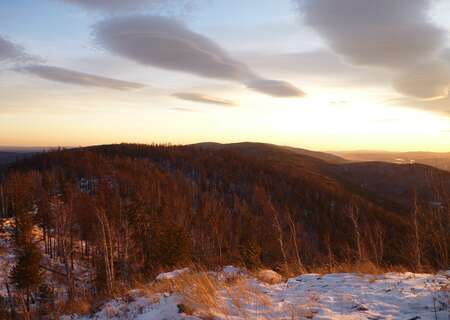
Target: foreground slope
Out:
[310,296]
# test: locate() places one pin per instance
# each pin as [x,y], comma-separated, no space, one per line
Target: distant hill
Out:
[265,149]
[440,160]
[7,157]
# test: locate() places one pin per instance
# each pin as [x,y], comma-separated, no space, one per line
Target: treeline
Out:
[130,211]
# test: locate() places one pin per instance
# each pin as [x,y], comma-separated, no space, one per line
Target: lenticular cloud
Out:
[168,44]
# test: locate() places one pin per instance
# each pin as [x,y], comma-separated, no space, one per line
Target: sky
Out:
[318,74]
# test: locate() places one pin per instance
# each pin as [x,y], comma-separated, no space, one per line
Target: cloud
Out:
[168,44]
[79,78]
[10,51]
[275,88]
[197,97]
[160,6]
[391,35]
[383,32]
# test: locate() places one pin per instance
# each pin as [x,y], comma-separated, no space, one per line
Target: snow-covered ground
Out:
[309,296]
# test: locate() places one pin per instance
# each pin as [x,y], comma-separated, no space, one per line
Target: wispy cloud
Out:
[9,51]
[168,44]
[198,97]
[78,78]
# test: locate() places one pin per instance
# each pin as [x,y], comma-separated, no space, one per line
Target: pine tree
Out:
[26,275]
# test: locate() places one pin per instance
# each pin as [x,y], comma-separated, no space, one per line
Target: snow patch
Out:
[171,275]
[338,296]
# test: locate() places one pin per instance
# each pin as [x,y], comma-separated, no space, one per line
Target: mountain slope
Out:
[244,203]
[395,186]
[389,185]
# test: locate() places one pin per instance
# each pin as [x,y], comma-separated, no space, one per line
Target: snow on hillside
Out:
[309,296]
[346,296]
[6,254]
[54,271]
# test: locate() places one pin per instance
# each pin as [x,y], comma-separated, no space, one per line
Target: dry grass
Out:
[365,267]
[242,294]
[206,295]
[198,290]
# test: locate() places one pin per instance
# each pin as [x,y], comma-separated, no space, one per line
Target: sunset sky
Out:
[317,74]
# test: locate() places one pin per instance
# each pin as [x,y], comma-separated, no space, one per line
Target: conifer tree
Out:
[26,275]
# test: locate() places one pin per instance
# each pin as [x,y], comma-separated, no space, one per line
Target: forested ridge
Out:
[128,211]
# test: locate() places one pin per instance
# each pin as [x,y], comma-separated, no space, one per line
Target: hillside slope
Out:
[268,190]
[389,185]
